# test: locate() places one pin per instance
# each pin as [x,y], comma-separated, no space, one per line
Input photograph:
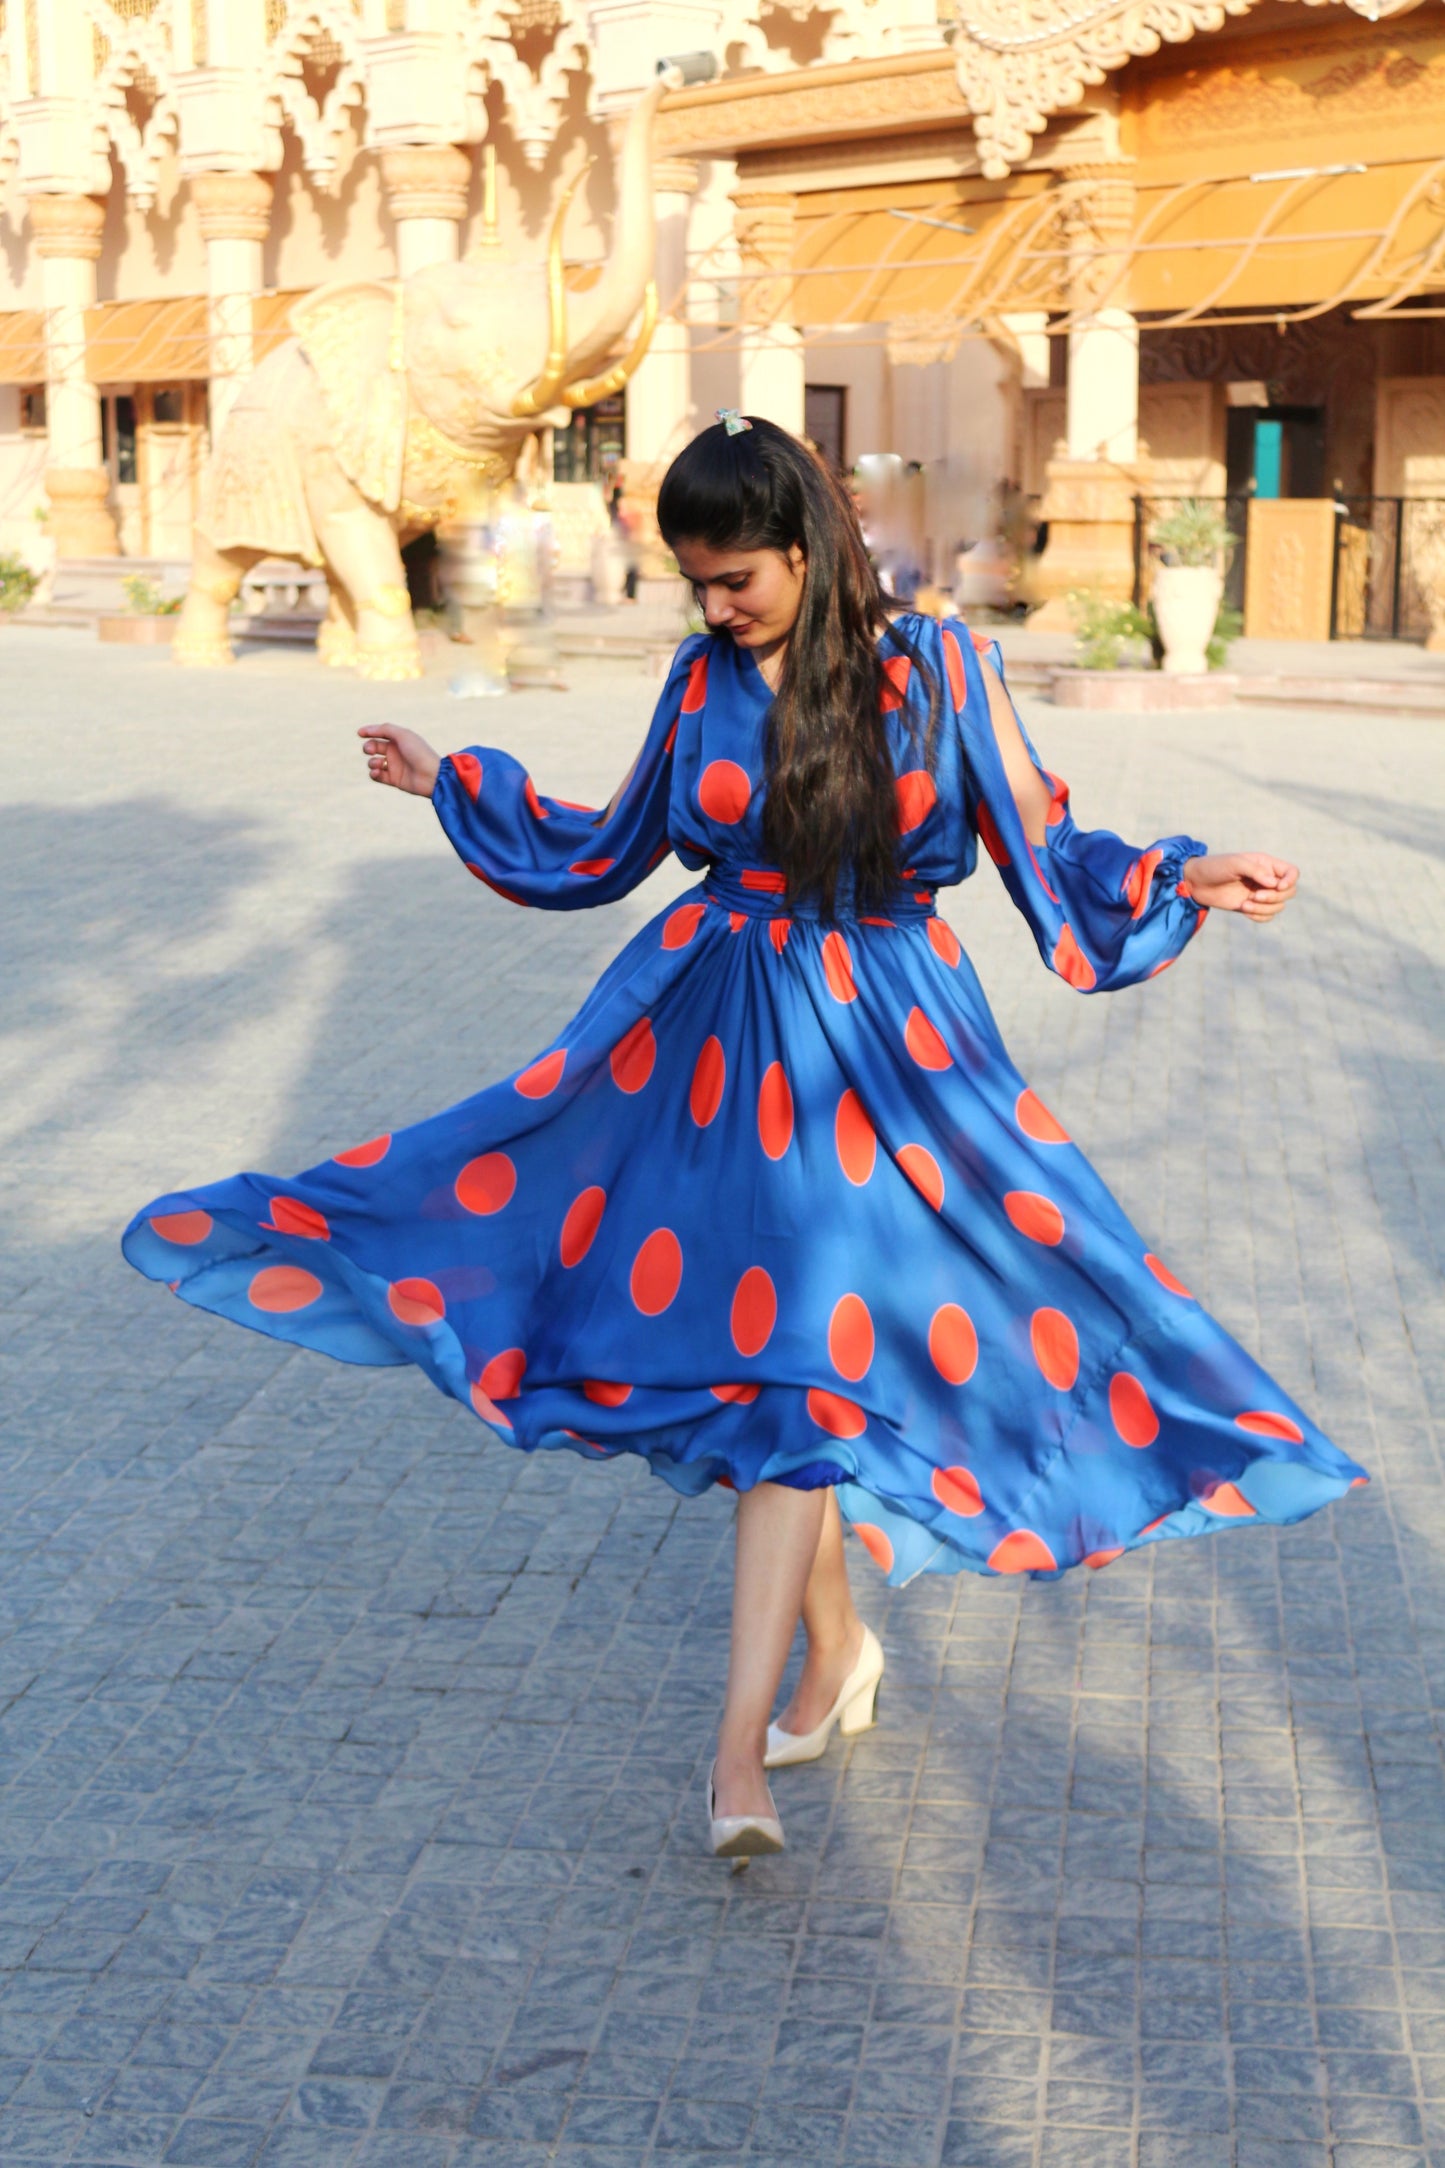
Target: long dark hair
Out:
[831,809]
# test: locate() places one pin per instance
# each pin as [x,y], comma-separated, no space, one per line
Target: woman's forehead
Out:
[700,561]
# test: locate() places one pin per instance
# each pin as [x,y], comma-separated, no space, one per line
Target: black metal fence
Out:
[1389,562]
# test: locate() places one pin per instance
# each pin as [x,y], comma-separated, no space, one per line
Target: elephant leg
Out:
[361,546]
[336,636]
[202,640]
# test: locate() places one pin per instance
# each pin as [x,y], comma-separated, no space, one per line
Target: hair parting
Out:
[830,818]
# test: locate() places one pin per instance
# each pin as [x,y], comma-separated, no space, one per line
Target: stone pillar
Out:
[660,416]
[770,359]
[1089,499]
[235,214]
[426,194]
[67,231]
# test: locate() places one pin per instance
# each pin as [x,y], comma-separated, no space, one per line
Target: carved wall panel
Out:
[1410,436]
[1288,571]
[1183,427]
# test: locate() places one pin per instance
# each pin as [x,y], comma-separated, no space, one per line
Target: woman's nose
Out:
[717,609]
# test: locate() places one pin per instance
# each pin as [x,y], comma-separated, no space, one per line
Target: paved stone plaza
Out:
[351,1765]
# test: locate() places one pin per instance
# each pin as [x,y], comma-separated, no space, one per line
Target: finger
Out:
[376,730]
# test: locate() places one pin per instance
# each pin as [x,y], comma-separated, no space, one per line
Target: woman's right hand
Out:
[400,758]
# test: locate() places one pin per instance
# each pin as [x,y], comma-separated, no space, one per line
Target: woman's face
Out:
[752,594]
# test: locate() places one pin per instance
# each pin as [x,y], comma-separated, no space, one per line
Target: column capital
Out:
[426,180]
[232,206]
[675,177]
[68,226]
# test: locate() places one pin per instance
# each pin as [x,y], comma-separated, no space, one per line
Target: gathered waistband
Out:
[759,892]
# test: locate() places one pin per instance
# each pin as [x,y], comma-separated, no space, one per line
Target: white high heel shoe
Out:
[855,1710]
[741,1836]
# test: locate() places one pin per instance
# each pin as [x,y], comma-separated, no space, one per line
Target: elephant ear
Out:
[351,333]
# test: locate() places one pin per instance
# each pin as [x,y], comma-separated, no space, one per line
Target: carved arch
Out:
[536,90]
[133,100]
[318,33]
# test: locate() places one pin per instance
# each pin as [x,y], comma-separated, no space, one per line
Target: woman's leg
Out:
[777,1544]
[833,1627]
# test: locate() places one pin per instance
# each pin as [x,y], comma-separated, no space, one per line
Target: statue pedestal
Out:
[1089,506]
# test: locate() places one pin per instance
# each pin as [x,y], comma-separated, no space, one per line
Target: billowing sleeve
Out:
[1104,913]
[546,851]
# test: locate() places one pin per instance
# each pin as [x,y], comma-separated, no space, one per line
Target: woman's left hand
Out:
[1247,881]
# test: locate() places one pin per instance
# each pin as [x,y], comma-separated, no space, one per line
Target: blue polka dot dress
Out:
[776,1205]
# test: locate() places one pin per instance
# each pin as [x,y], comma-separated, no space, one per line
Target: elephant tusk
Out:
[543,393]
[602,387]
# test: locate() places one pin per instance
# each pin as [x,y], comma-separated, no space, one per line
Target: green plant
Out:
[17,582]
[1227,627]
[1103,628]
[144,599]
[1192,532]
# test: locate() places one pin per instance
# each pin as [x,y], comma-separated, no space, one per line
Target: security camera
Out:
[689,67]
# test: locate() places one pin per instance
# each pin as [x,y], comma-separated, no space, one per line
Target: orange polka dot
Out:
[1037,1217]
[1072,964]
[632,1058]
[657,1272]
[957,1490]
[897,670]
[944,941]
[925,1042]
[1058,801]
[953,666]
[850,1338]
[416,1302]
[838,968]
[1225,1498]
[983,642]
[1096,1559]
[1021,1551]
[992,841]
[496,886]
[754,1311]
[778,931]
[736,921]
[917,796]
[953,1344]
[1035,1120]
[839,1417]
[855,1138]
[681,924]
[289,1216]
[486,1184]
[534,804]
[365,1155]
[775,1111]
[708,1078]
[503,1375]
[924,1172]
[1266,1424]
[1139,881]
[184,1228]
[278,1288]
[742,1395]
[1132,1410]
[1153,1525]
[1056,1347]
[875,1543]
[469,768]
[592,866]
[543,1076]
[486,1407]
[579,1228]
[605,1392]
[724,791]
[696,693]
[1358,1482]
[1165,1277]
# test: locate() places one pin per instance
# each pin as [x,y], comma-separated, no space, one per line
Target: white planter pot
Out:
[1186,603]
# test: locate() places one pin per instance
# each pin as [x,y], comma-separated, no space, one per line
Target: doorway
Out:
[151,443]
[1275,451]
[825,421]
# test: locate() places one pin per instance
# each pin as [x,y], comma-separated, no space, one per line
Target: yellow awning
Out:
[22,347]
[271,320]
[148,342]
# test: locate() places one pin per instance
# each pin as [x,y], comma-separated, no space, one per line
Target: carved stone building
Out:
[1096,248]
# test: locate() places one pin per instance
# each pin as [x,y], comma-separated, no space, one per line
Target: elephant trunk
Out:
[597,320]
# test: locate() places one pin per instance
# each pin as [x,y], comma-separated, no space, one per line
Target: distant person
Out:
[775,1210]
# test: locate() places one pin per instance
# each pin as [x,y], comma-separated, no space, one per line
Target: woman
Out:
[774,1210]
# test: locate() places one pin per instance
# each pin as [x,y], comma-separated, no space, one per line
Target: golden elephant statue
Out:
[392,405]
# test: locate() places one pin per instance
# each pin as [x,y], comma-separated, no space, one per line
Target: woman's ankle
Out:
[843,1638]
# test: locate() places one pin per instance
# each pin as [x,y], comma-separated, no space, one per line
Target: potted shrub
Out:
[17,582]
[150,618]
[1193,542]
